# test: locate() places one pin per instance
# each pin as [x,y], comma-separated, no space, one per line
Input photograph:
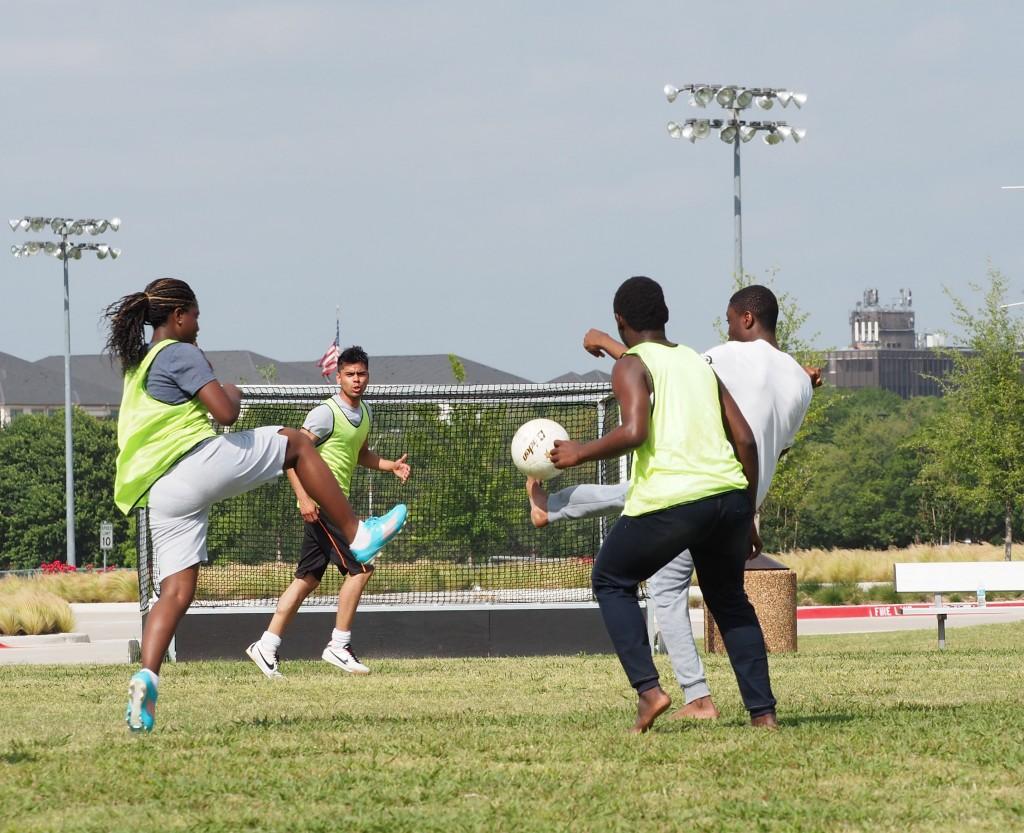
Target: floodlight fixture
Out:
[65,251]
[726,96]
[703,95]
[736,131]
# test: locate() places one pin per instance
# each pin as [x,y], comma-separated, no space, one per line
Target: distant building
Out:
[886,352]
[590,376]
[96,380]
[28,388]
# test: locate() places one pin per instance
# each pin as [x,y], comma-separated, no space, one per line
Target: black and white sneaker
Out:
[345,659]
[266,663]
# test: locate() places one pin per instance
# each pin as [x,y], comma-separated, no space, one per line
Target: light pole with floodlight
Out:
[66,250]
[734,130]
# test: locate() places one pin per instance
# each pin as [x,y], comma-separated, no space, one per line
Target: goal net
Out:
[468,538]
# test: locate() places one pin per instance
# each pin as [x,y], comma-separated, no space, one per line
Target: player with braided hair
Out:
[171,459]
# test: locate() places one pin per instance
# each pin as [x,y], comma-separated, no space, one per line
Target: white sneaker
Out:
[266,664]
[344,659]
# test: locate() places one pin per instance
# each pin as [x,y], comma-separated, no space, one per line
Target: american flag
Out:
[328,363]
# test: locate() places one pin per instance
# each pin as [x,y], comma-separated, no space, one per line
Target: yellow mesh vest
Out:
[686,455]
[341,448]
[152,435]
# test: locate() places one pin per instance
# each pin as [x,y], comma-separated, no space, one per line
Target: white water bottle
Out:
[981,596]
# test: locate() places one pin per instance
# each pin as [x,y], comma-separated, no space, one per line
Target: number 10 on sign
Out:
[106,540]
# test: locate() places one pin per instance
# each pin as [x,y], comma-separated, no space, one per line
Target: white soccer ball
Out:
[531,447]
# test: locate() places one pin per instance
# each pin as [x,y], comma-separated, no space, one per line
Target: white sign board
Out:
[106,535]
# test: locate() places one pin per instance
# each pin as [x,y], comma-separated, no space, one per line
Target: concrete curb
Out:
[39,640]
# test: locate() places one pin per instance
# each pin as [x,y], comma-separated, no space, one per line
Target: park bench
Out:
[976,577]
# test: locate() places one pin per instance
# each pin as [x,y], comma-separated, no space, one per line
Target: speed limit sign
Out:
[106,535]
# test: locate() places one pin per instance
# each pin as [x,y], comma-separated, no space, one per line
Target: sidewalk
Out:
[102,633]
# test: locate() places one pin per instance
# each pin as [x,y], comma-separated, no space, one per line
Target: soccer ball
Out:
[531,447]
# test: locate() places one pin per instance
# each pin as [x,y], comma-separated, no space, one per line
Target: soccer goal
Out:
[468,540]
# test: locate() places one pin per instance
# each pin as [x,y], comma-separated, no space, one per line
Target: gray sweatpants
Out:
[669,587]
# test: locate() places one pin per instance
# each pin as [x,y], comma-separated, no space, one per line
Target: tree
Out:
[865,494]
[977,445]
[458,369]
[32,516]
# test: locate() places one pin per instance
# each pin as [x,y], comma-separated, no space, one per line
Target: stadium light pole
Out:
[65,251]
[734,130]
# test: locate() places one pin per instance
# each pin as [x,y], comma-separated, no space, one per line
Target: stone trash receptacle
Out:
[771,588]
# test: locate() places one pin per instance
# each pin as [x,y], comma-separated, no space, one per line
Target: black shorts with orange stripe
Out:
[322,544]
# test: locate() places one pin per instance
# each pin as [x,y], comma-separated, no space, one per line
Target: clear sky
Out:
[478,177]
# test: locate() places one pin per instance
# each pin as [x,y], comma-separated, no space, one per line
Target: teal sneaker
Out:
[381,530]
[141,712]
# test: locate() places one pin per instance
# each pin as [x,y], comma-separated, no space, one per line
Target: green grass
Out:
[880,733]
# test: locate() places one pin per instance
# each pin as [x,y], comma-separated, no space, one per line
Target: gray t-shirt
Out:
[177,373]
[320,421]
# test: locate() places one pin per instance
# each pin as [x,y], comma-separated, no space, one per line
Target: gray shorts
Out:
[180,501]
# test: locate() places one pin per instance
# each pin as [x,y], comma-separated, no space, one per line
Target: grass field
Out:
[880,733]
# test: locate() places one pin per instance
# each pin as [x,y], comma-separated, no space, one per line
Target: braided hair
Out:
[128,316]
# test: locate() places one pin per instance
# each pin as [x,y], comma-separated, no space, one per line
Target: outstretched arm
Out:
[370,459]
[599,343]
[629,384]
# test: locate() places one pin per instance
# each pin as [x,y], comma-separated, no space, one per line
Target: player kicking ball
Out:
[339,428]
[773,393]
[693,488]
[171,459]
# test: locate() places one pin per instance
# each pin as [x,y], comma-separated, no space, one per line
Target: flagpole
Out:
[337,325]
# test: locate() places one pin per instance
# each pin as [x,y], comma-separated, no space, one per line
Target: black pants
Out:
[716,531]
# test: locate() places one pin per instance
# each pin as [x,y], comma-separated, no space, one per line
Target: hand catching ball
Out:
[531,448]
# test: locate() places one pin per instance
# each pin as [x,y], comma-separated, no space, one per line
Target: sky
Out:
[478,178]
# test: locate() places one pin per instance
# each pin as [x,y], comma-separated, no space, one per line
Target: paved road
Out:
[103,632]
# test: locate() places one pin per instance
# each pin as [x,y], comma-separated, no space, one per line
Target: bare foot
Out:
[765,721]
[703,708]
[651,703]
[538,502]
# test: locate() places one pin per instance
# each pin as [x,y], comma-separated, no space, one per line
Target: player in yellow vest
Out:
[171,459]
[339,427]
[694,484]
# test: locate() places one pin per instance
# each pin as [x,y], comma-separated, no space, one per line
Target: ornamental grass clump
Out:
[91,586]
[27,610]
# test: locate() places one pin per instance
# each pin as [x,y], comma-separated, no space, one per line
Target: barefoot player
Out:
[339,427]
[773,392]
[688,491]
